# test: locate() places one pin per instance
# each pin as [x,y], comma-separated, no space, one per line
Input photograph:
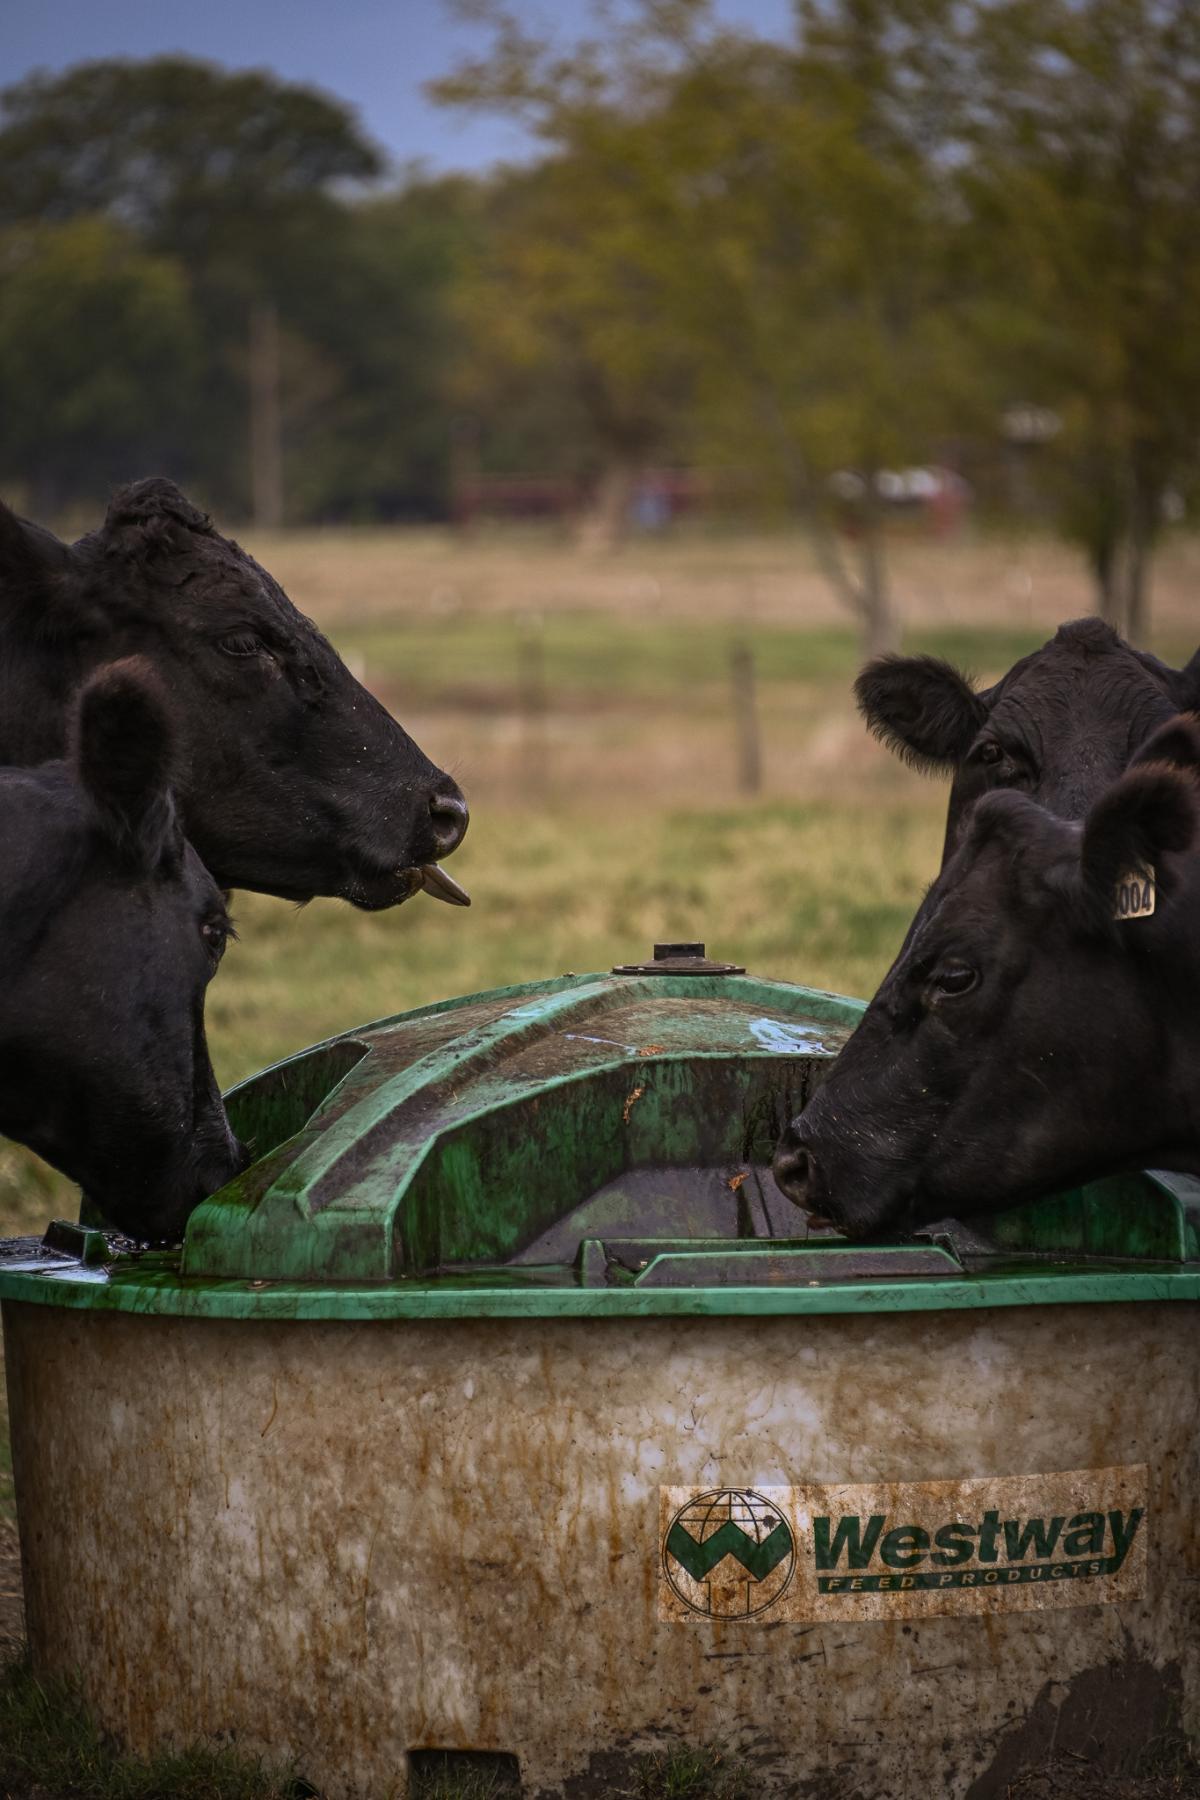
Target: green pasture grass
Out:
[814,893]
[591,654]
[50,1749]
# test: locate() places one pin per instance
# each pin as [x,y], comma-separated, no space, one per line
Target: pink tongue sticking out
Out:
[435,881]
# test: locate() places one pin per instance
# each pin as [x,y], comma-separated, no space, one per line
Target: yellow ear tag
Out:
[1133,897]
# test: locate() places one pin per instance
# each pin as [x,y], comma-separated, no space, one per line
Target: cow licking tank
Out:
[504,1407]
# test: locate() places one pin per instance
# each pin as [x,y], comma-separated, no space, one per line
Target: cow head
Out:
[292,779]
[1060,726]
[111,930]
[1026,1038]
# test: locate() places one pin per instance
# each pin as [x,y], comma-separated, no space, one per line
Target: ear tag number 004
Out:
[1134,895]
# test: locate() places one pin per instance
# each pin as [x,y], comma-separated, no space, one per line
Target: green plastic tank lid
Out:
[597,1145]
[510,1128]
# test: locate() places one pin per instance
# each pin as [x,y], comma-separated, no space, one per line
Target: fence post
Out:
[532,702]
[745,716]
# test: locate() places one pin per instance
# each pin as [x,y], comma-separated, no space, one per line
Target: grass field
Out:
[587,709]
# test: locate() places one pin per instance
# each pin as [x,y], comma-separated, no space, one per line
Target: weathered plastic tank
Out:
[504,1408]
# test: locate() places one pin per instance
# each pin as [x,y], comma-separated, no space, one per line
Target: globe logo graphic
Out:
[729,1554]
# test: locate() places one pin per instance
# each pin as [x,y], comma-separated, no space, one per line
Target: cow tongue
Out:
[435,881]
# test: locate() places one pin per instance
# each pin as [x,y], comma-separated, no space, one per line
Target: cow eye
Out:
[216,934]
[949,982]
[241,643]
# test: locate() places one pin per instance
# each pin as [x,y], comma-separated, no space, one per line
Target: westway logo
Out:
[993,1550]
[903,1549]
[728,1553]
[700,1559]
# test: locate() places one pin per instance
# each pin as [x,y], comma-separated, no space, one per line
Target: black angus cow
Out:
[110,930]
[292,779]
[1061,725]
[1026,1038]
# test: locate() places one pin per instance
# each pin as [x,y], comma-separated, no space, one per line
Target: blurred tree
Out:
[237,176]
[570,352]
[1084,180]
[371,407]
[98,359]
[809,228]
[573,351]
[752,235]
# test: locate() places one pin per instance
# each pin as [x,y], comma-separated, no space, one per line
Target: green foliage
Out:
[204,163]
[873,241]
[1082,175]
[853,250]
[188,194]
[374,434]
[747,240]
[50,1749]
[72,416]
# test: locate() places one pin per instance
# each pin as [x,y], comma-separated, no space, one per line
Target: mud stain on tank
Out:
[1110,1716]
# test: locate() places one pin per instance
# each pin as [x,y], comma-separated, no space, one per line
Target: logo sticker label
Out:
[729,1553]
[902,1550]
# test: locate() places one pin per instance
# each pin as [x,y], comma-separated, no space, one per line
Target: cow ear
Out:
[152,514]
[1187,683]
[1177,743]
[1150,812]
[30,556]
[123,749]
[920,707]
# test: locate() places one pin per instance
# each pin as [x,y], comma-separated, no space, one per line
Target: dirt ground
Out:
[1063,1779]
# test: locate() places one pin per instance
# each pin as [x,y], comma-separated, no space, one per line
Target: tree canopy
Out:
[806,263]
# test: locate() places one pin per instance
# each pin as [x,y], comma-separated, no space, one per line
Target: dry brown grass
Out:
[976,579]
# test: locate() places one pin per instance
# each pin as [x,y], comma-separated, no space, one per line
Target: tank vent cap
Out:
[680,959]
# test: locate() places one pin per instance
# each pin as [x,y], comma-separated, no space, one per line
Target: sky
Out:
[376,54]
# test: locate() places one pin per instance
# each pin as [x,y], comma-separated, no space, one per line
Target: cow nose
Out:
[448,811]
[794,1168]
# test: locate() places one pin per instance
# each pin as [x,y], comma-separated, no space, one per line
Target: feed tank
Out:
[504,1407]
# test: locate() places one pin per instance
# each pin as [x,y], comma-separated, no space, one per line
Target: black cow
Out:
[292,779]
[110,930]
[1061,725]
[1026,1038]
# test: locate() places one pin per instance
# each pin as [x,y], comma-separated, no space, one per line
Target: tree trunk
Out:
[1137,588]
[869,600]
[1143,527]
[266,430]
[602,523]
[745,717]
[881,632]
[533,704]
[1106,572]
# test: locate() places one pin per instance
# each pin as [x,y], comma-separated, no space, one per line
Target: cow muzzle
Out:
[795,1171]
